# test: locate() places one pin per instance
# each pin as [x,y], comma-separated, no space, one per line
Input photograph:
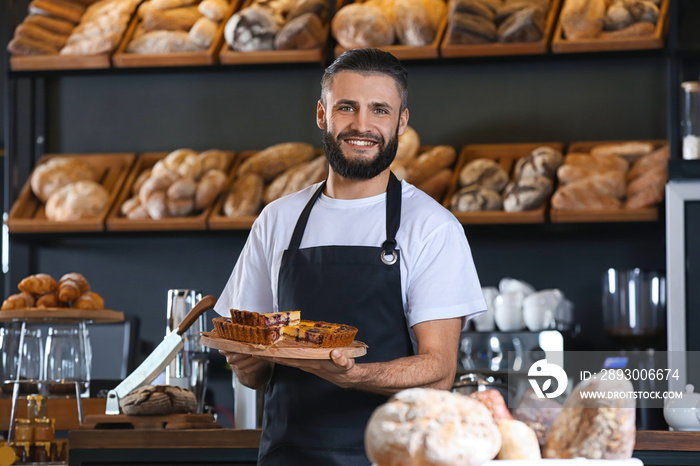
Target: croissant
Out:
[72,285]
[18,301]
[49,300]
[40,283]
[89,301]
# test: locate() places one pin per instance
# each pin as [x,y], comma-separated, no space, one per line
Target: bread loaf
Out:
[61,9]
[583,195]
[582,19]
[213,159]
[183,188]
[527,193]
[422,426]
[409,145]
[160,181]
[302,33]
[210,185]
[429,163]
[170,4]
[494,402]
[629,151]
[467,28]
[362,25]
[252,28]
[179,207]
[40,34]
[155,400]
[525,25]
[593,426]
[245,197]
[163,42]
[272,161]
[659,157]
[55,25]
[40,283]
[519,441]
[203,32]
[26,46]
[417,21]
[157,205]
[58,172]
[642,28]
[177,19]
[602,162]
[215,10]
[483,172]
[475,199]
[82,199]
[436,186]
[72,285]
[317,7]
[542,161]
[21,300]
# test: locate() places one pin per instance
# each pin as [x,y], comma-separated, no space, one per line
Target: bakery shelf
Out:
[116,222]
[61,315]
[448,50]
[506,155]
[648,214]
[122,59]
[655,41]
[227,56]
[28,215]
[405,52]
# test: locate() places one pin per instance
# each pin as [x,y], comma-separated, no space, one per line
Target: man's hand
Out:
[335,370]
[251,371]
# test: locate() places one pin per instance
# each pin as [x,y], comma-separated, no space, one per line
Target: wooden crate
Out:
[227,56]
[217,219]
[116,222]
[122,59]
[66,62]
[28,216]
[648,214]
[448,50]
[405,52]
[655,41]
[506,155]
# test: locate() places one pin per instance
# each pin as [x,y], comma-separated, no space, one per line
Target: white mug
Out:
[539,309]
[508,284]
[485,322]
[508,311]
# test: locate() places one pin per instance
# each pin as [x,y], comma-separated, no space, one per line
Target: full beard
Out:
[360,169]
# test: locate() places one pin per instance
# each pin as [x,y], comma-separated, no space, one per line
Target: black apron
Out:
[308,420]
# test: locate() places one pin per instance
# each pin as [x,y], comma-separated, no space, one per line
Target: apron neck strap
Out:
[393,215]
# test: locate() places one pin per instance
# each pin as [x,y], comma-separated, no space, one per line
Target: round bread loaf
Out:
[253,28]
[484,172]
[157,400]
[58,172]
[360,25]
[82,199]
[427,427]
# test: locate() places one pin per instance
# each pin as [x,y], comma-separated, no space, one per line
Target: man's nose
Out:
[362,121]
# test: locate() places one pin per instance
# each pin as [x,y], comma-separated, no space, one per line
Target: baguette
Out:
[55,25]
[245,197]
[32,31]
[274,160]
[429,163]
[21,46]
[629,151]
[62,9]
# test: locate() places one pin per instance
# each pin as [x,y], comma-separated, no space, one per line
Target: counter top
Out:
[664,440]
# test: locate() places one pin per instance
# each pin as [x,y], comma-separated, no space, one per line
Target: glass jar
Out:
[22,452]
[44,430]
[36,407]
[41,452]
[67,361]
[690,123]
[24,430]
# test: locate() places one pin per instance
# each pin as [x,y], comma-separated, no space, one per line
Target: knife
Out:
[159,358]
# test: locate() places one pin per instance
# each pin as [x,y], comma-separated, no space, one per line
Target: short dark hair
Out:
[368,61]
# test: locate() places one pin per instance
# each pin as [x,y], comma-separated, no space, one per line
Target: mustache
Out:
[357,134]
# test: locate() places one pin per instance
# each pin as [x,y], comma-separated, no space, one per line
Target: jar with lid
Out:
[37,407]
[24,430]
[44,430]
[690,123]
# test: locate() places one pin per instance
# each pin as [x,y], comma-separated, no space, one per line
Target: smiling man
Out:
[361,248]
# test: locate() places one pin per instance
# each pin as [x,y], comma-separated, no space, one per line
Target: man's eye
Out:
[346,108]
[381,110]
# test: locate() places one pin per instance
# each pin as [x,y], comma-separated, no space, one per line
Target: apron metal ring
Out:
[394,257]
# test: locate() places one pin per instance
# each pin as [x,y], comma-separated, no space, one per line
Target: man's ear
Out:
[403,121]
[320,115]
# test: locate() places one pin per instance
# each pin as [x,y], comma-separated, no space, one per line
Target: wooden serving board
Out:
[283,349]
[449,50]
[28,216]
[405,52]
[648,214]
[655,41]
[122,59]
[506,155]
[116,222]
[61,315]
[167,421]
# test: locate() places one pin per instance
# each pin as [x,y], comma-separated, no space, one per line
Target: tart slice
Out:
[273,319]
[246,333]
[320,334]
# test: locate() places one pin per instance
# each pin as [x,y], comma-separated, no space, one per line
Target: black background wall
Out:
[568,98]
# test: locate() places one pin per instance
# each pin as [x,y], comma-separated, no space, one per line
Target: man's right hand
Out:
[250,370]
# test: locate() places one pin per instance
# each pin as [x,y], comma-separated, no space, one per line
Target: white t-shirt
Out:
[438,277]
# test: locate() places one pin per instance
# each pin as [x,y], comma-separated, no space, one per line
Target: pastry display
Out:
[629,175]
[278,25]
[176,26]
[42,291]
[489,21]
[271,173]
[588,19]
[268,329]
[185,182]
[72,27]
[377,23]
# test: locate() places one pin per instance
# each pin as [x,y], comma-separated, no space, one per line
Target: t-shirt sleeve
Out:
[249,287]
[444,283]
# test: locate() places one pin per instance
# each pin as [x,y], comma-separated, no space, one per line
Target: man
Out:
[363,249]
